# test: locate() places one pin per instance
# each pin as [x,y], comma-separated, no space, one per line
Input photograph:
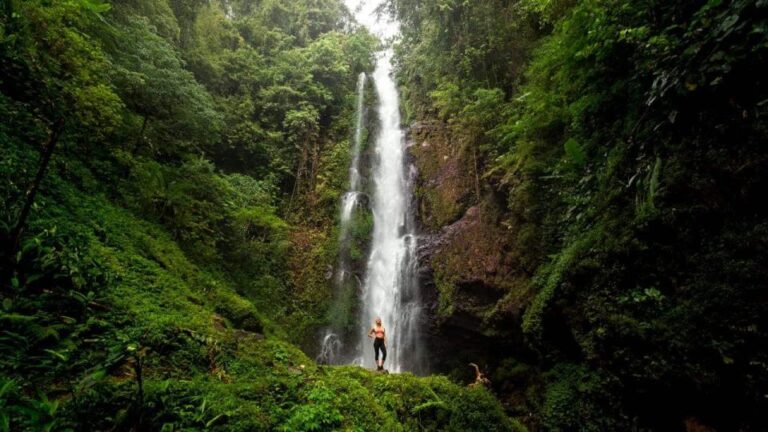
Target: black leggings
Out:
[378,344]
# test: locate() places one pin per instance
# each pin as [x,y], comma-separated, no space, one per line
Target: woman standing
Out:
[379,343]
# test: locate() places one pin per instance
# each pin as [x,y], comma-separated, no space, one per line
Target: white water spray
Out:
[390,290]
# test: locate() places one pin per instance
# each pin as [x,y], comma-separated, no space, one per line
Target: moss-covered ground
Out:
[110,324]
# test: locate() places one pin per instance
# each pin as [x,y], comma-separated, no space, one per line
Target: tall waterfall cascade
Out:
[390,289]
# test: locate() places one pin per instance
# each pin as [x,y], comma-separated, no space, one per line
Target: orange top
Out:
[379,331]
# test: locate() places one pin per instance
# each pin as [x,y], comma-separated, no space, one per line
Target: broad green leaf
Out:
[574,151]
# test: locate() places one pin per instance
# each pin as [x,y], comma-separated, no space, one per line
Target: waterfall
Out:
[350,198]
[331,343]
[390,290]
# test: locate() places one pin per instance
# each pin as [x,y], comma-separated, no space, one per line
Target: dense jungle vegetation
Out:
[594,173]
[607,162]
[170,176]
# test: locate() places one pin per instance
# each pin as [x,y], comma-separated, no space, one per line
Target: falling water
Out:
[390,290]
[350,198]
[331,343]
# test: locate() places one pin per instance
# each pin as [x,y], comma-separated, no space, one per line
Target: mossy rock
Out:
[240,312]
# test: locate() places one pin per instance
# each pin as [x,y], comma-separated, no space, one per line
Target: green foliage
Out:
[625,139]
[24,413]
[578,398]
[318,414]
[182,229]
[55,70]
[360,230]
[205,361]
[551,279]
[175,112]
[154,261]
[574,152]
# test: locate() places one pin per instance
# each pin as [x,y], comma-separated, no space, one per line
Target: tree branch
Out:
[45,159]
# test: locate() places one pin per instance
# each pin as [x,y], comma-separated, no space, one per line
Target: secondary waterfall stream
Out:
[390,289]
[331,345]
[350,198]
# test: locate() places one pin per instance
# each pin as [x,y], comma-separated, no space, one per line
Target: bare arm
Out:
[371,332]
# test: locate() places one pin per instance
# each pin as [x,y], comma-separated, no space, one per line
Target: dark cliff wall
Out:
[472,276]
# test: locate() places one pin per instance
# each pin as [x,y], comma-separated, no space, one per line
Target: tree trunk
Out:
[477,174]
[315,163]
[138,369]
[299,171]
[45,159]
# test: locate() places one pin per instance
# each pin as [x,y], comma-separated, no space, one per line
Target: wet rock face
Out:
[468,271]
[445,181]
[470,279]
